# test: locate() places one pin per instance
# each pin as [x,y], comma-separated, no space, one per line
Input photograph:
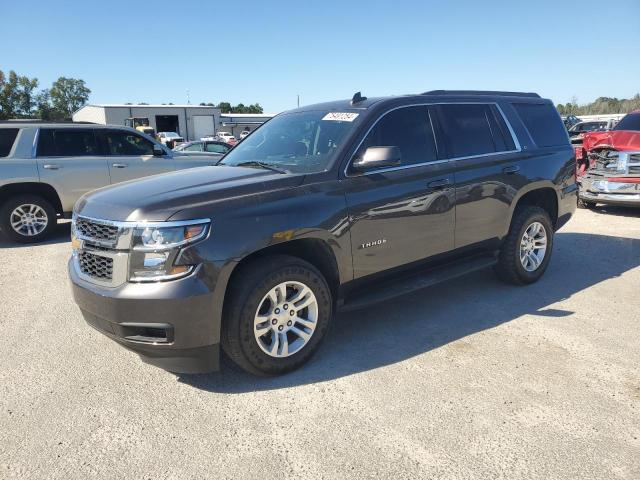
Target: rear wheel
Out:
[276,315]
[27,219]
[526,251]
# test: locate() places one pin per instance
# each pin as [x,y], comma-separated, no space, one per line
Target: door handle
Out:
[511,169]
[120,165]
[51,166]
[436,184]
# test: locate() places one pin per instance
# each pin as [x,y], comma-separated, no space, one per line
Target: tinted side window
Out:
[407,128]
[629,122]
[499,130]
[468,130]
[216,148]
[126,143]
[69,142]
[196,147]
[543,123]
[7,137]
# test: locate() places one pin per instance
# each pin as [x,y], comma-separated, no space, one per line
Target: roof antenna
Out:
[357,98]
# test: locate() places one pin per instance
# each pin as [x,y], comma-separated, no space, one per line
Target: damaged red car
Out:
[608,165]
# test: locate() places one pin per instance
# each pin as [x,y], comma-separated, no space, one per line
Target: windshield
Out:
[299,142]
[629,122]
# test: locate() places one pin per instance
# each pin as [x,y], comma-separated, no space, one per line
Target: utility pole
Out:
[298,100]
[188,98]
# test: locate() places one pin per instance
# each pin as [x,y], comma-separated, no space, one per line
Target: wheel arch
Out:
[316,251]
[44,190]
[543,194]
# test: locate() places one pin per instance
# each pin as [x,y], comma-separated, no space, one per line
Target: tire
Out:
[248,299]
[586,204]
[35,205]
[510,267]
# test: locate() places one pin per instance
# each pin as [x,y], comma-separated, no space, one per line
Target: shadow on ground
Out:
[61,234]
[633,212]
[414,324]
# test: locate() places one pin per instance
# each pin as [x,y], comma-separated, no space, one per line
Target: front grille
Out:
[96,231]
[95,265]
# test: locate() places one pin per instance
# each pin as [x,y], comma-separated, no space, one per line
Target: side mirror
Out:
[158,151]
[377,157]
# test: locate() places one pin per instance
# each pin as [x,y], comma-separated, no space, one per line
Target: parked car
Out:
[170,139]
[204,146]
[226,137]
[609,166]
[45,168]
[579,129]
[326,207]
[570,120]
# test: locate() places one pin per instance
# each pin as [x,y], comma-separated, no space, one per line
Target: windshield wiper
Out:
[268,166]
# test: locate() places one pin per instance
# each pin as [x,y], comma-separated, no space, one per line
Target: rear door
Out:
[130,155]
[406,213]
[71,160]
[486,160]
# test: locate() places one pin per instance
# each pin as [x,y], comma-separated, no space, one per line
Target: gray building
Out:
[236,123]
[190,121]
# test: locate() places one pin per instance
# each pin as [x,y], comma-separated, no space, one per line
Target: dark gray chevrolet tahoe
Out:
[326,207]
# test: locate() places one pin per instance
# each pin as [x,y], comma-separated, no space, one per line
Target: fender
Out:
[530,187]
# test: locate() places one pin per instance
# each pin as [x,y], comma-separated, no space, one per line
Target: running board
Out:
[397,288]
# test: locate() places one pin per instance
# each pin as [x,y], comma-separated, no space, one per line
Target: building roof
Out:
[138,105]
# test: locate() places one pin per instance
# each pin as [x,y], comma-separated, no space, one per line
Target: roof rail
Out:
[36,121]
[482,92]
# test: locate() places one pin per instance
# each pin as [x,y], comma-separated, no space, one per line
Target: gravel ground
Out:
[471,379]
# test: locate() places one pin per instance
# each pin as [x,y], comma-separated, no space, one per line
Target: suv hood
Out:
[158,197]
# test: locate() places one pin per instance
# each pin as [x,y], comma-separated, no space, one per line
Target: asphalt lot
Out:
[470,379]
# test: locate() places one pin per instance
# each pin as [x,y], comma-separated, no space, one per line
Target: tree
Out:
[17,97]
[68,95]
[225,107]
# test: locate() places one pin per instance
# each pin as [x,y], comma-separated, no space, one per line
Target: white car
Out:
[170,139]
[226,137]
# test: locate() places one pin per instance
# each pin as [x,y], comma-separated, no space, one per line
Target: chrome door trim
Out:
[435,162]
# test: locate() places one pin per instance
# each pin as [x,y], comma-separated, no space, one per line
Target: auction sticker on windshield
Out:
[341,116]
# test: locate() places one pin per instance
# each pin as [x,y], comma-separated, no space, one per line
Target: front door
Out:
[130,156]
[401,214]
[70,160]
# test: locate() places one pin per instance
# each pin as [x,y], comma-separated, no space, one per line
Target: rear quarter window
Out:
[7,138]
[543,122]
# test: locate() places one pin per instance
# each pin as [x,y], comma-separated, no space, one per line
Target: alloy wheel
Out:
[286,319]
[28,219]
[533,246]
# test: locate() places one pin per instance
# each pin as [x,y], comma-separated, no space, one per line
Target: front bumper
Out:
[599,189]
[174,325]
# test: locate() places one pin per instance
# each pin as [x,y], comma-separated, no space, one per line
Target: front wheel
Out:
[27,219]
[277,313]
[526,251]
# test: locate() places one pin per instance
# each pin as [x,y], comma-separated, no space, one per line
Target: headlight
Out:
[156,249]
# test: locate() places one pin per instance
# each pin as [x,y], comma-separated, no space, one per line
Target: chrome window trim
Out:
[34,147]
[435,162]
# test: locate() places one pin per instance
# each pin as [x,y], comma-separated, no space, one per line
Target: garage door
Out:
[203,125]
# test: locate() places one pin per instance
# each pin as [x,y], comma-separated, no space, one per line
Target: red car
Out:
[608,164]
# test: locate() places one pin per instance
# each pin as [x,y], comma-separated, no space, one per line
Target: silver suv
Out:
[45,168]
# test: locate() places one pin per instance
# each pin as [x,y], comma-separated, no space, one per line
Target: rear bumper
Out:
[173,325]
[599,189]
